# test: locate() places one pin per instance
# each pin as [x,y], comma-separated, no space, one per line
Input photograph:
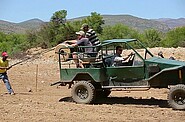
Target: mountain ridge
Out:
[161,24]
[172,23]
[32,23]
[140,24]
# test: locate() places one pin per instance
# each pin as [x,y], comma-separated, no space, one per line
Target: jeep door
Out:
[127,75]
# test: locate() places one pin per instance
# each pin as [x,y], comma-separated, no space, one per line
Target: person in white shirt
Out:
[117,59]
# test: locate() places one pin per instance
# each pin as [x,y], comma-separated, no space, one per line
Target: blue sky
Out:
[22,10]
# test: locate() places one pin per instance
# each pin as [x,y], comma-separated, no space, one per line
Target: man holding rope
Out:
[4,66]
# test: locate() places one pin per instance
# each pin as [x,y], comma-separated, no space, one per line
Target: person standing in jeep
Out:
[91,35]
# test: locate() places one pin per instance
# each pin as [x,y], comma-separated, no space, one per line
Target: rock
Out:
[29,89]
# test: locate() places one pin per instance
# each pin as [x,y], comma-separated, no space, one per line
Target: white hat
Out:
[80,33]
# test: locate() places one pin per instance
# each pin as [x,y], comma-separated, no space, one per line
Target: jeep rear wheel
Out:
[83,92]
[176,97]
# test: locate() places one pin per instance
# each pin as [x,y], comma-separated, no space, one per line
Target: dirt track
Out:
[46,103]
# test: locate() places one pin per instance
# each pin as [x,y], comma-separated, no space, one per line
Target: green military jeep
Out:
[142,70]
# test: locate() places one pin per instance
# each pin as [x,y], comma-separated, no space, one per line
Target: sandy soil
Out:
[36,100]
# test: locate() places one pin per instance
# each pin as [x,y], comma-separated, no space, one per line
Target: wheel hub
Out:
[179,99]
[82,93]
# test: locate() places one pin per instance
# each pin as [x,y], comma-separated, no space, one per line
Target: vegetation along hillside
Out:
[18,37]
[140,24]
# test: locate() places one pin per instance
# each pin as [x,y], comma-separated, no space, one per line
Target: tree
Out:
[12,43]
[46,36]
[118,31]
[153,37]
[59,17]
[31,37]
[95,21]
[61,29]
[175,38]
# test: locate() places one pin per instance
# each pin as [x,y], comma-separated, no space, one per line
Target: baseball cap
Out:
[80,33]
[85,25]
[4,54]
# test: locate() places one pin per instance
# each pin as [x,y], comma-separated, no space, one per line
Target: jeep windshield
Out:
[128,45]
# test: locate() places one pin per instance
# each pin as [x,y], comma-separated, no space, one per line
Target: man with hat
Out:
[3,72]
[81,41]
[91,35]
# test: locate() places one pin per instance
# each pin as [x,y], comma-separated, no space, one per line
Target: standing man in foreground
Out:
[91,35]
[4,66]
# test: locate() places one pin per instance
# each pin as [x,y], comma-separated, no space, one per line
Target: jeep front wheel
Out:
[83,92]
[176,97]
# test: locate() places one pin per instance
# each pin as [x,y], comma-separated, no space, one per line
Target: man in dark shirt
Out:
[81,41]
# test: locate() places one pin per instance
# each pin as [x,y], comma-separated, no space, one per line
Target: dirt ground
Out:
[35,100]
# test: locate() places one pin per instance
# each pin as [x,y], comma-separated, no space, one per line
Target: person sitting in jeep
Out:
[81,41]
[117,59]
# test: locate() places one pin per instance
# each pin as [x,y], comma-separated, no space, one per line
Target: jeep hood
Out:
[158,60]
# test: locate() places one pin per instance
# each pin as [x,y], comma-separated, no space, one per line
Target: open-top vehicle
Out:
[142,70]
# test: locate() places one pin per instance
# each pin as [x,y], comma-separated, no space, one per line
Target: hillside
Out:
[164,24]
[135,22]
[22,27]
[8,27]
[172,23]
[141,24]
[31,24]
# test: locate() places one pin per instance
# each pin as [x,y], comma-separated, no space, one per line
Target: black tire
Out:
[83,92]
[176,97]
